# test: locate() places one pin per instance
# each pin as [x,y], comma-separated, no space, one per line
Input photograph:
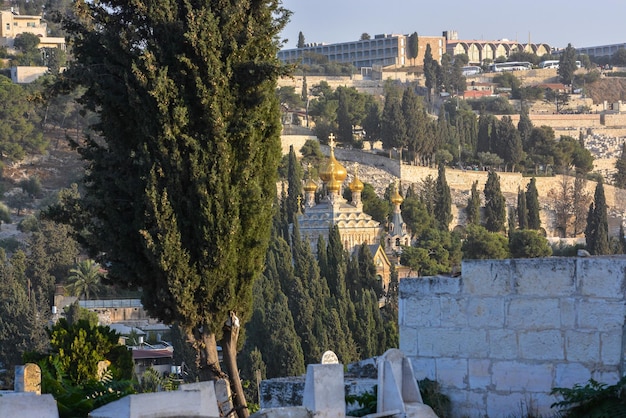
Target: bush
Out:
[592,400]
[527,243]
[432,396]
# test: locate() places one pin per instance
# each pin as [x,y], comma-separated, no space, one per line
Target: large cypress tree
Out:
[294,188]
[522,210]
[181,179]
[473,206]
[532,203]
[443,202]
[412,50]
[431,68]
[495,204]
[597,231]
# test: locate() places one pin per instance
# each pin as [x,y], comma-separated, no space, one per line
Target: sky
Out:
[555,22]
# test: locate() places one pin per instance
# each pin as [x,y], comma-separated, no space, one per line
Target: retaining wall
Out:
[499,338]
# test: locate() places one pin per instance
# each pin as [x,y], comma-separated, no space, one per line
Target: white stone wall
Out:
[500,337]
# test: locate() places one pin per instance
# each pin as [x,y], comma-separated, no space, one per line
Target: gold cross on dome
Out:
[331,141]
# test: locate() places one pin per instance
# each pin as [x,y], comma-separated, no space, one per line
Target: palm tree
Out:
[84,279]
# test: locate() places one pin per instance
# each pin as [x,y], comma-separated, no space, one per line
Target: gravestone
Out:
[397,387]
[324,391]
[28,378]
[329,358]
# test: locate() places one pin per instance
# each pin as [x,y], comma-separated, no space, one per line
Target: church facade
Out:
[355,226]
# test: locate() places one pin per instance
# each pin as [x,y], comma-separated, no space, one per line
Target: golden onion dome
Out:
[333,167]
[310,186]
[356,185]
[334,186]
[396,199]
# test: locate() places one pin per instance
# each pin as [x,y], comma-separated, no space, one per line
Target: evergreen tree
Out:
[485,126]
[619,178]
[522,210]
[413,113]
[412,47]
[495,204]
[300,43]
[510,148]
[344,120]
[272,330]
[532,203]
[580,203]
[305,93]
[23,314]
[524,126]
[372,122]
[567,65]
[294,190]
[393,126]
[528,244]
[18,133]
[180,188]
[481,244]
[431,68]
[443,202]
[473,206]
[597,231]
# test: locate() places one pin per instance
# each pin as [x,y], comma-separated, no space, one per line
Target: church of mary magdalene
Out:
[355,226]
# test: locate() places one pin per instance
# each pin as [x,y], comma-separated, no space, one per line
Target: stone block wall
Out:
[500,337]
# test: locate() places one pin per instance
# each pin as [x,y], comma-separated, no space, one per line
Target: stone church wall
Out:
[506,332]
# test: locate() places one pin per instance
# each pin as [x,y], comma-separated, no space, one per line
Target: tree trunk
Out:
[207,360]
[229,351]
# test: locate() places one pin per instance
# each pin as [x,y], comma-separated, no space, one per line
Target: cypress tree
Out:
[532,203]
[431,68]
[522,210]
[300,43]
[495,204]
[473,206]
[597,231]
[412,47]
[483,140]
[305,91]
[180,187]
[443,202]
[525,127]
[393,125]
[294,188]
[619,178]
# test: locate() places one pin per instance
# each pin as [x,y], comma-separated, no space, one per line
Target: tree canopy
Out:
[180,188]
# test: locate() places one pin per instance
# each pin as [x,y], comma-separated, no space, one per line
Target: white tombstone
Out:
[324,391]
[196,399]
[397,387]
[28,378]
[329,357]
[28,405]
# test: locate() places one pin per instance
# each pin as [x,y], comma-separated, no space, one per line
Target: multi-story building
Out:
[602,50]
[384,50]
[13,24]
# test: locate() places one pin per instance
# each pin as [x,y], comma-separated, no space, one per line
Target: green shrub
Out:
[432,396]
[367,402]
[594,400]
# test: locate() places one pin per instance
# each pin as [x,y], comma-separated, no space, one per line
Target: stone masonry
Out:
[500,337]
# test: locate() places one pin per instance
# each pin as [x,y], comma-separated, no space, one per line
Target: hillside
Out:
[610,89]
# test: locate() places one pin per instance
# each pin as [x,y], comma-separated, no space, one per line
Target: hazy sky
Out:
[555,22]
